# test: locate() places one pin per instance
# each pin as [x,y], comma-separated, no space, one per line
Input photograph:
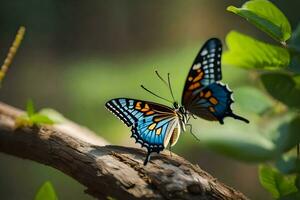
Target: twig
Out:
[12,52]
[110,170]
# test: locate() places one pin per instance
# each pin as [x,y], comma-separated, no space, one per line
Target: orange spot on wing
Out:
[190,78]
[146,108]
[158,131]
[150,112]
[213,100]
[207,94]
[199,77]
[201,94]
[138,105]
[212,109]
[157,119]
[194,86]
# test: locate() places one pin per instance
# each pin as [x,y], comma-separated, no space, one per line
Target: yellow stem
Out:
[12,52]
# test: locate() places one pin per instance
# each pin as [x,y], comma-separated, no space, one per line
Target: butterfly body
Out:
[155,126]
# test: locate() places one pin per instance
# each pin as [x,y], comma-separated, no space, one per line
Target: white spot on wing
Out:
[204,52]
[196,66]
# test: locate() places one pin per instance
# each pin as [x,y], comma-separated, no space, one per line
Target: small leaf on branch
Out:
[46,192]
[30,108]
[32,118]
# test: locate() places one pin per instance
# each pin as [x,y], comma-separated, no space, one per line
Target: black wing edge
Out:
[118,113]
[210,43]
[229,112]
[150,147]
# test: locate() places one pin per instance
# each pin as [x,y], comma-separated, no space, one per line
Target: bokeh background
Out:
[76,55]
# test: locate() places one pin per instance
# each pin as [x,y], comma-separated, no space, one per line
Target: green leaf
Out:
[287,135]
[265,16]
[292,196]
[295,63]
[253,100]
[46,192]
[40,119]
[288,164]
[294,42]
[52,114]
[244,144]
[247,52]
[267,178]
[283,87]
[30,108]
[274,182]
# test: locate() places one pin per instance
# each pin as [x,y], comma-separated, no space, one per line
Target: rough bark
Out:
[108,170]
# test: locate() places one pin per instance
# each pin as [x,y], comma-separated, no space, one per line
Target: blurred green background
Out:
[76,55]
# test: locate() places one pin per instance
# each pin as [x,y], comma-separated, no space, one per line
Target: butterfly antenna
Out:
[169,83]
[156,94]
[161,78]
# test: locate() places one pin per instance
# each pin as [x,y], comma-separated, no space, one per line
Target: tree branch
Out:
[108,170]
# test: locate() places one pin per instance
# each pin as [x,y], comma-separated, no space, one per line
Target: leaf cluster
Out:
[274,97]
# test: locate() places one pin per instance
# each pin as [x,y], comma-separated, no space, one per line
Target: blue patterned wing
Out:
[205,70]
[152,124]
[203,94]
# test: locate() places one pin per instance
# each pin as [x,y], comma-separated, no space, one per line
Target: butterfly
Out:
[155,126]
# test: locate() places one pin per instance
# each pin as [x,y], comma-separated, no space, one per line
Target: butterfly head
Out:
[182,114]
[176,106]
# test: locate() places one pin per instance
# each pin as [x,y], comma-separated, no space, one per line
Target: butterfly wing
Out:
[152,124]
[203,94]
[205,70]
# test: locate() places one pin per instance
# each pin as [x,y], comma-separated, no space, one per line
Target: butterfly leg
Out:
[147,158]
[170,150]
[191,131]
